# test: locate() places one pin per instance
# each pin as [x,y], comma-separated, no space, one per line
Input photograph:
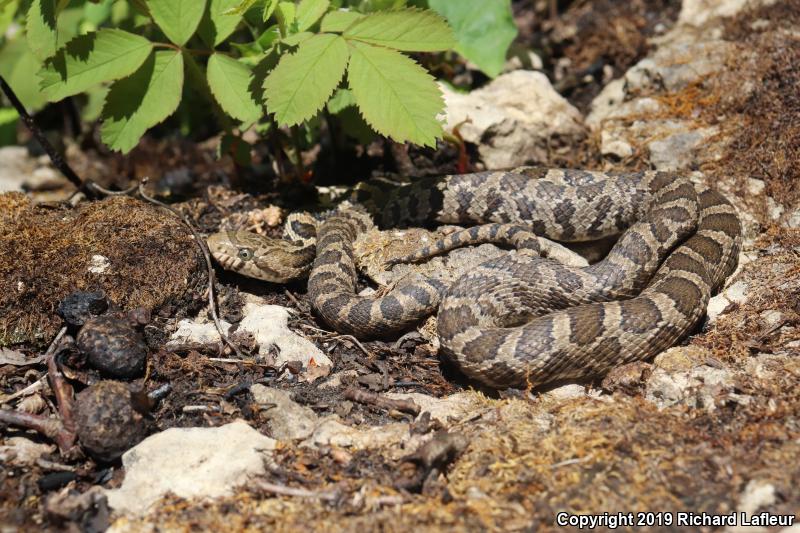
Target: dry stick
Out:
[212,301]
[332,336]
[63,393]
[61,430]
[51,428]
[58,161]
[291,491]
[382,402]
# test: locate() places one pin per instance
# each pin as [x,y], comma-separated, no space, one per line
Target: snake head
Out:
[260,257]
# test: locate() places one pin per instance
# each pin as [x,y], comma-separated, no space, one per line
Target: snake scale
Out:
[523,318]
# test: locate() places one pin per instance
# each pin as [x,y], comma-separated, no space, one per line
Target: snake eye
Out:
[245,254]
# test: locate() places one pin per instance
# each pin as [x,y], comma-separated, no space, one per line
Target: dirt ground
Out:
[529,454]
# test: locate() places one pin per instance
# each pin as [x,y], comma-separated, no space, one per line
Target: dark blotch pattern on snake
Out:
[522,319]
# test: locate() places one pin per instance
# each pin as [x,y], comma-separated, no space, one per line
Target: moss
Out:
[150,257]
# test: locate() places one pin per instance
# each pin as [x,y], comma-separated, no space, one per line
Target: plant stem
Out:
[58,161]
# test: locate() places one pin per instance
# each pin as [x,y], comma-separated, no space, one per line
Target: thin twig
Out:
[58,161]
[372,398]
[283,490]
[49,427]
[108,192]
[292,297]
[212,301]
[63,392]
[30,389]
[332,336]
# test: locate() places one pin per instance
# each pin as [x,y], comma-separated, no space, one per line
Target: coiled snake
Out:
[523,319]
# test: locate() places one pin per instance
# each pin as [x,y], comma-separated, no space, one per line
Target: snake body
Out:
[521,318]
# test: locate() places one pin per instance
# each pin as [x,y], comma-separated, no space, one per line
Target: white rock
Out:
[793,220]
[758,493]
[388,437]
[288,420]
[755,186]
[191,463]
[99,264]
[20,451]
[16,167]
[610,145]
[514,118]
[771,317]
[446,410]
[677,144]
[607,102]
[628,117]
[735,294]
[698,12]
[774,209]
[269,326]
[697,387]
[570,392]
[189,332]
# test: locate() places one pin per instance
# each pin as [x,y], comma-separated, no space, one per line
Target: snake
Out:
[524,318]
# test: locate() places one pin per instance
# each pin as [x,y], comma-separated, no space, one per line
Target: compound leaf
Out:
[219,21]
[178,19]
[310,11]
[410,30]
[40,28]
[339,20]
[302,82]
[229,81]
[396,96]
[90,59]
[142,100]
[484,29]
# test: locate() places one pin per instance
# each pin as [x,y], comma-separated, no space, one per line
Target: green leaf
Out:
[310,11]
[484,29]
[411,30]
[370,6]
[142,100]
[297,38]
[269,9]
[229,80]
[19,66]
[96,13]
[339,20]
[217,24]
[91,59]
[7,12]
[40,28]
[240,7]
[286,13]
[95,99]
[8,126]
[178,19]
[396,96]
[302,82]
[341,99]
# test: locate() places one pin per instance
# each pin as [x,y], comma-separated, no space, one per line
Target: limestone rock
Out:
[514,119]
[288,419]
[698,12]
[190,463]
[269,325]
